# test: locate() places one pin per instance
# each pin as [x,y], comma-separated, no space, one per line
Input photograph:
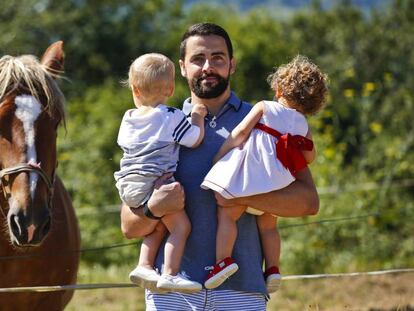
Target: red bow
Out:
[289,148]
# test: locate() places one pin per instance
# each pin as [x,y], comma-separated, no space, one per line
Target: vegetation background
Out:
[364,136]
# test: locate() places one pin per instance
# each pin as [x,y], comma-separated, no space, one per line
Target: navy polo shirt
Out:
[201,208]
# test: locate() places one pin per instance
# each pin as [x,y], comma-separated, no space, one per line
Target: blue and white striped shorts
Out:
[206,300]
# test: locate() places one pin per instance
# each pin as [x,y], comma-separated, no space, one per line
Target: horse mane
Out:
[27,75]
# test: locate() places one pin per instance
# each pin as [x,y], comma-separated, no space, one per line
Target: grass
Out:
[365,293]
[113,299]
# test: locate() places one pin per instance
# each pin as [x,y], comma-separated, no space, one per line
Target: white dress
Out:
[254,168]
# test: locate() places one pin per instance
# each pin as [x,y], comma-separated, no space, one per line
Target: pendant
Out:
[213,123]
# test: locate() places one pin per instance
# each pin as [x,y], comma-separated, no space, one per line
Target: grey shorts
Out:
[134,189]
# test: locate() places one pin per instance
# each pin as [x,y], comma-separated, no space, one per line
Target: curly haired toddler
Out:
[263,153]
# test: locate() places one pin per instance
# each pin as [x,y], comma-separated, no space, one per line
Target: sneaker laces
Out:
[184,275]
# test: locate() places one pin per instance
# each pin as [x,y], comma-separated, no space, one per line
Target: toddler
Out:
[262,154]
[150,136]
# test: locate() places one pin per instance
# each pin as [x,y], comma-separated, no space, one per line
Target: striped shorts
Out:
[206,300]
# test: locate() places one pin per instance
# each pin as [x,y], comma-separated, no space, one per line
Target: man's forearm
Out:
[134,224]
[298,199]
[165,199]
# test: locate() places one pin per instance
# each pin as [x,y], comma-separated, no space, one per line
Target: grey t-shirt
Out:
[201,208]
[151,141]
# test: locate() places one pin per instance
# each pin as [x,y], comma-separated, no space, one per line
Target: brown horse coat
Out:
[45,253]
[54,262]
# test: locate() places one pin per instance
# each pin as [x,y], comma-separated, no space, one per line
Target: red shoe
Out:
[273,278]
[220,272]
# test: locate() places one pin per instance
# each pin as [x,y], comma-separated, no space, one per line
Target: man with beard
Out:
[207,62]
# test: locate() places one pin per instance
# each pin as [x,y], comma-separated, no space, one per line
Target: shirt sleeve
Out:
[301,125]
[185,133]
[122,139]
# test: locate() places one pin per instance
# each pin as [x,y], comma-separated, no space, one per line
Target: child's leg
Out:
[270,238]
[144,274]
[150,246]
[179,227]
[227,230]
[226,237]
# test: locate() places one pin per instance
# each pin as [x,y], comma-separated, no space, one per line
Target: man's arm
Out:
[166,199]
[298,199]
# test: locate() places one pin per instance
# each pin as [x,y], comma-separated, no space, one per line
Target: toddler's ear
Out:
[171,92]
[278,93]
[135,90]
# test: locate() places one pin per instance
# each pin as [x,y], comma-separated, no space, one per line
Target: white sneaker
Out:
[273,283]
[178,283]
[144,277]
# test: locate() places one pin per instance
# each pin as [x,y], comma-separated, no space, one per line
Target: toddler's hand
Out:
[200,109]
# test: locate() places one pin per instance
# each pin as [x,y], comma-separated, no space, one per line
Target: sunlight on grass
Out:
[112,299]
[387,292]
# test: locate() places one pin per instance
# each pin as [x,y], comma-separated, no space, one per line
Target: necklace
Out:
[213,122]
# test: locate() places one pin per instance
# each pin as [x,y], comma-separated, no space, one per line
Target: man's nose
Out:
[207,66]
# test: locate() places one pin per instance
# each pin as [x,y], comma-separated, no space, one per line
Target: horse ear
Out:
[53,58]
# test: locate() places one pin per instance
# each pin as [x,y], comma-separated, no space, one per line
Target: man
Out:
[207,62]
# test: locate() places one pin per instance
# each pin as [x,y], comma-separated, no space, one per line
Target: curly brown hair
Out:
[302,84]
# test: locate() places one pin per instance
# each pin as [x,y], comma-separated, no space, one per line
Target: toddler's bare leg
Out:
[179,227]
[270,238]
[150,246]
[227,230]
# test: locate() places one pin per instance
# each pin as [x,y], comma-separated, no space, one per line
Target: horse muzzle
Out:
[28,225]
[28,230]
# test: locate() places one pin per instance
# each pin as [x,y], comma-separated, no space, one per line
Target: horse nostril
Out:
[44,229]
[14,225]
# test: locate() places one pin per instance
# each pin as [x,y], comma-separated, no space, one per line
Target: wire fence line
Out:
[128,285]
[329,220]
[112,246]
[370,186]
[57,253]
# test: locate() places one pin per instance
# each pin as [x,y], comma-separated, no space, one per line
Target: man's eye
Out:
[218,60]
[198,60]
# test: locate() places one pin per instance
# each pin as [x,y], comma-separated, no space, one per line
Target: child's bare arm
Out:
[241,132]
[197,118]
[309,155]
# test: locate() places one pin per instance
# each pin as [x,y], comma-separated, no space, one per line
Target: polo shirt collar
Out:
[232,101]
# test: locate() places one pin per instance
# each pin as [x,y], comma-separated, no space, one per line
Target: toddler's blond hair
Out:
[153,75]
[302,83]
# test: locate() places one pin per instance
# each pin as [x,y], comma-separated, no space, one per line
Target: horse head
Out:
[31,108]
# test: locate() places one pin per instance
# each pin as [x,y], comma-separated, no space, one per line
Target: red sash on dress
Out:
[288,148]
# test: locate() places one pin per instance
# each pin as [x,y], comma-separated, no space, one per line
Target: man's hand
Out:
[298,199]
[167,198]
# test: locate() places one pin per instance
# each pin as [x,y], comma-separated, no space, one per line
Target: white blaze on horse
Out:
[40,242]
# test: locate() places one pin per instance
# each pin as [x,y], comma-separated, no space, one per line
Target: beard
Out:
[208,91]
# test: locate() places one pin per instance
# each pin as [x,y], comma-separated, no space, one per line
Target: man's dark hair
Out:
[205,29]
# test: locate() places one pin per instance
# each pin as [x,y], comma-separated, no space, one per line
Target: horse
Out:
[40,240]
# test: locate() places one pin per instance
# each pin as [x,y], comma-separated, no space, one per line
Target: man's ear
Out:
[182,68]
[232,65]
